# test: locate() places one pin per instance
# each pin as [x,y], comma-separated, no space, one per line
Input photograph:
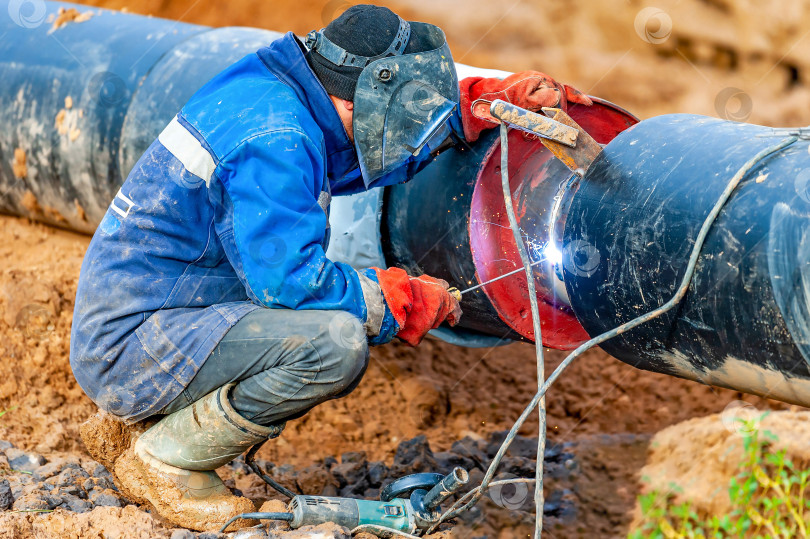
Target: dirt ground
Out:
[739,60]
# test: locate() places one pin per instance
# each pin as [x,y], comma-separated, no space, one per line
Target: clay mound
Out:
[703,454]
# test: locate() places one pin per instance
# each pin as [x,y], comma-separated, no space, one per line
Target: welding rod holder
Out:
[531,122]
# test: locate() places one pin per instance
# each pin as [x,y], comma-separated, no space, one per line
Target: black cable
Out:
[249,460]
[258,516]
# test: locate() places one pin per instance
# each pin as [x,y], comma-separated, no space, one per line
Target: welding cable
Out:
[250,461]
[538,337]
[457,508]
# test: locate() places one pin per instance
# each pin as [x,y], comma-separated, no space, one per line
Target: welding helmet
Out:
[402,100]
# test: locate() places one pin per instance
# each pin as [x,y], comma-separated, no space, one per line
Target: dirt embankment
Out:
[695,460]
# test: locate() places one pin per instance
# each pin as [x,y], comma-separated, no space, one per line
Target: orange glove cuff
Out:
[418,304]
[396,289]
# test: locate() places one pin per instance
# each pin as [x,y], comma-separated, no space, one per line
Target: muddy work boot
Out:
[106,437]
[170,466]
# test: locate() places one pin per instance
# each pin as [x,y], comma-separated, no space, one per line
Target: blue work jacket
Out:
[225,213]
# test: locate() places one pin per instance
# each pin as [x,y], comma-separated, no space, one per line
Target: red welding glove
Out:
[418,304]
[530,90]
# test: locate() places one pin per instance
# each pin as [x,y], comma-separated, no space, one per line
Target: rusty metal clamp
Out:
[525,120]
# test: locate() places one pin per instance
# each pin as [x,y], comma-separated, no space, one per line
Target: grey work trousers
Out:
[284,363]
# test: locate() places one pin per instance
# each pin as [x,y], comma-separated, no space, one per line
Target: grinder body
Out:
[396,514]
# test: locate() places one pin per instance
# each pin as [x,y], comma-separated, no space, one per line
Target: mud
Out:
[80,213]
[69,15]
[31,204]
[66,120]
[19,166]
[606,410]
[106,438]
[158,488]
[59,122]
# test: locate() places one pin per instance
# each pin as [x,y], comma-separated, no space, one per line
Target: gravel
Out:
[6,497]
[34,483]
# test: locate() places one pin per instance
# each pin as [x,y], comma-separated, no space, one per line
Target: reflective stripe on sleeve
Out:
[182,144]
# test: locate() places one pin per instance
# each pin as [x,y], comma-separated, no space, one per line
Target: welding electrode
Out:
[456,293]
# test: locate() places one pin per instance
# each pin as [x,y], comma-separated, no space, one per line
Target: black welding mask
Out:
[402,100]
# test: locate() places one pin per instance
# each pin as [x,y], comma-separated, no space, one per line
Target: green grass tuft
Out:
[769,498]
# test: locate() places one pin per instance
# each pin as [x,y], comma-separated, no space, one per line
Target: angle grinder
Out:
[409,504]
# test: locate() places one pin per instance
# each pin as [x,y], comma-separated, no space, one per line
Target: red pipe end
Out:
[534,178]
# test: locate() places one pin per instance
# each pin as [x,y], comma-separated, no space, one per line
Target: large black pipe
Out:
[450,221]
[745,322]
[81,102]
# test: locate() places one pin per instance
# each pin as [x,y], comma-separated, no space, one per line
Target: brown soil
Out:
[117,523]
[440,390]
[40,267]
[437,389]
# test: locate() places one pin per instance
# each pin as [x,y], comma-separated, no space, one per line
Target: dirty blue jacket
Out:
[225,213]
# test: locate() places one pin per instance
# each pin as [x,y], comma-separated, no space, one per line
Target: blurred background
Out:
[745,60]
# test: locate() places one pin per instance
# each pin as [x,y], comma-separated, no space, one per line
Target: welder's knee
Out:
[343,347]
[354,366]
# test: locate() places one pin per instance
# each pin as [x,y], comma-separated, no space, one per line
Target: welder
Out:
[206,302]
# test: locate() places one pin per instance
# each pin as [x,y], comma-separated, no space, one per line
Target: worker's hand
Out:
[418,304]
[530,90]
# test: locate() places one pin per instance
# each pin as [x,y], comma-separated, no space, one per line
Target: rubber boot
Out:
[170,466]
